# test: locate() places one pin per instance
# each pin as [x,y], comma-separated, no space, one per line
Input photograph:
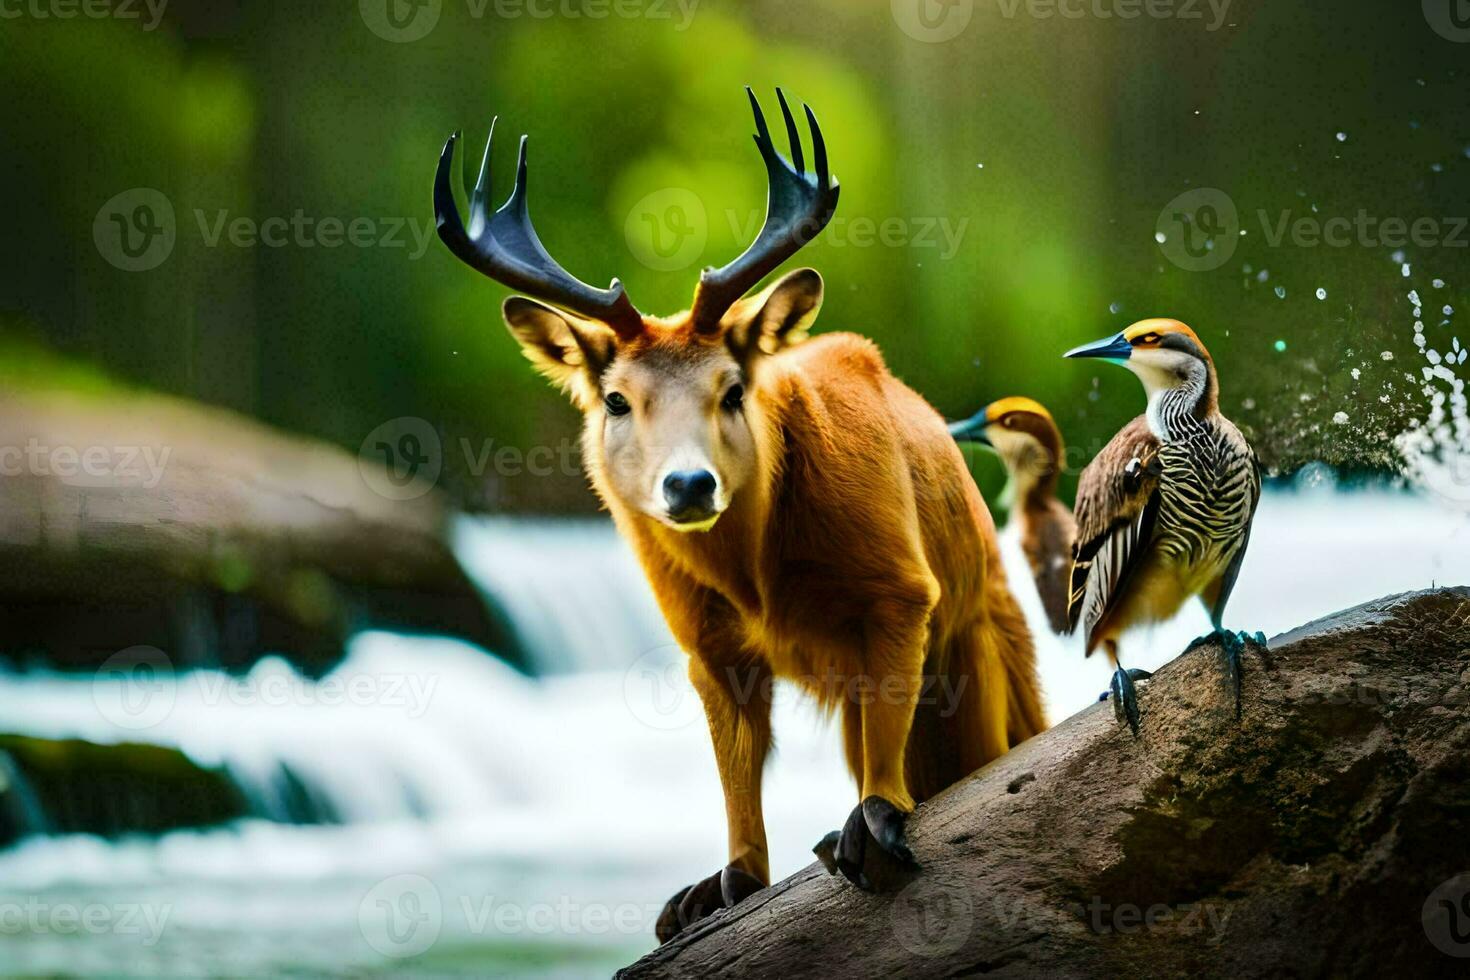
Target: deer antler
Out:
[503,245]
[798,207]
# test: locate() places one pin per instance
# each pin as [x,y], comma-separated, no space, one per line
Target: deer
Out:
[799,513]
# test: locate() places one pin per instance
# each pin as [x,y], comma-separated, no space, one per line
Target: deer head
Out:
[673,417]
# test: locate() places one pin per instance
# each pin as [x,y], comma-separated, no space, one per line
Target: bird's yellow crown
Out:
[1149,333]
[1015,403]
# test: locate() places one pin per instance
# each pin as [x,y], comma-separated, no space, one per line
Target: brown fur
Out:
[855,557]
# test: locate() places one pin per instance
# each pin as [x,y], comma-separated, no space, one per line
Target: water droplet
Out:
[1321,293]
[1437,167]
[1341,137]
[1438,284]
[1448,310]
[1160,237]
[1398,255]
[1315,476]
[980,166]
[1356,374]
[1387,355]
[1263,275]
[1115,307]
[1404,270]
[1280,346]
[1340,418]
[1281,292]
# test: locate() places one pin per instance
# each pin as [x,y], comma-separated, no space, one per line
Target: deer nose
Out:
[690,492]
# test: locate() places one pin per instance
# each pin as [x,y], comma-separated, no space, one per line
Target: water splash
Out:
[1435,449]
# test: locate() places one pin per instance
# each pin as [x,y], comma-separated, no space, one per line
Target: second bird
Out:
[1164,511]
[1022,433]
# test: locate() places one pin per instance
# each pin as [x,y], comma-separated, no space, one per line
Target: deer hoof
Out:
[724,889]
[874,824]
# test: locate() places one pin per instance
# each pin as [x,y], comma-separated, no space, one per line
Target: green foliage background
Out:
[1085,127]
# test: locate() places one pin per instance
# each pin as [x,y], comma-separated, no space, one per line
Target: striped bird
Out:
[1164,512]
[1022,433]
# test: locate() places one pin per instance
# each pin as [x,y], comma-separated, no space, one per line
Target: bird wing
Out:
[1117,498]
[1054,576]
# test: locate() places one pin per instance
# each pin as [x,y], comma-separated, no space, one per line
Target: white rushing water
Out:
[530,824]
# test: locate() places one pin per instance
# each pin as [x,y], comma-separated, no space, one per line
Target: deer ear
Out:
[776,317]
[572,352]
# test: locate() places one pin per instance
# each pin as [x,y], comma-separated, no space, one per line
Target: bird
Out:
[1164,511]
[1023,434]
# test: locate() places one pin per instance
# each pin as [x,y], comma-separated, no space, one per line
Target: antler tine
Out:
[819,148]
[505,247]
[482,182]
[793,138]
[798,206]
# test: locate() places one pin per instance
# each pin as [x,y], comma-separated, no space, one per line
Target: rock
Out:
[1324,833]
[131,518]
[60,786]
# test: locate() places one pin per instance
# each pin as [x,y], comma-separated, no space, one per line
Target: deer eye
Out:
[733,399]
[616,404]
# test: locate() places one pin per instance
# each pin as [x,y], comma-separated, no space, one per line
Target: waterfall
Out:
[430,731]
[571,589]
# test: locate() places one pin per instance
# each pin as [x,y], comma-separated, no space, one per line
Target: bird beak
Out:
[1116,349]
[972,429]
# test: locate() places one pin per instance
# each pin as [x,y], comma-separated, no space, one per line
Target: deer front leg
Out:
[737,706]
[886,694]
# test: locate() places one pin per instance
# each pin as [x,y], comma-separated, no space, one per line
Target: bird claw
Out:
[873,821]
[1232,644]
[1125,696]
[724,889]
